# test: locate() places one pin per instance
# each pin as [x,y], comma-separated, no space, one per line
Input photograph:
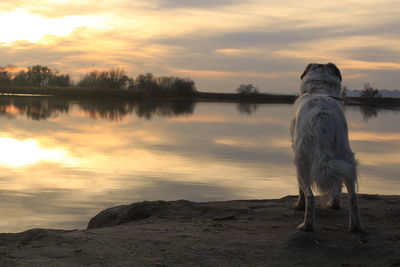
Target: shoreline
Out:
[74,93]
[219,233]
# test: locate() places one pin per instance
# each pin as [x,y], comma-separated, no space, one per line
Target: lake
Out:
[61,162]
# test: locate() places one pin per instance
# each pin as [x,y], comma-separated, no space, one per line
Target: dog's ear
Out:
[306,70]
[335,70]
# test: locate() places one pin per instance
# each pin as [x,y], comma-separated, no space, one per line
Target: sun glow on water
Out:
[17,153]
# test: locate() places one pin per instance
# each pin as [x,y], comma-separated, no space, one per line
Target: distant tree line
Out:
[113,79]
[247,89]
[35,76]
[42,76]
[143,83]
[370,92]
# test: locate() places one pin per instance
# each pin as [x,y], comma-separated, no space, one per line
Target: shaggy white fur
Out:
[322,153]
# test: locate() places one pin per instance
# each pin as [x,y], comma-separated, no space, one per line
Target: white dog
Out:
[322,153]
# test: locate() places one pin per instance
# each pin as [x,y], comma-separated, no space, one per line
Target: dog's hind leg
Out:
[301,201]
[308,224]
[334,198]
[305,194]
[355,225]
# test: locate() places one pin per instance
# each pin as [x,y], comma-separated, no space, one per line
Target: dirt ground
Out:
[230,233]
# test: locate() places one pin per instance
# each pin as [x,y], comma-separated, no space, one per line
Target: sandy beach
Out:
[228,233]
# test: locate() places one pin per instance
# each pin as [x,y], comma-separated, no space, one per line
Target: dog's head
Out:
[321,78]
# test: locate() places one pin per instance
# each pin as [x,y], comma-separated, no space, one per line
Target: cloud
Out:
[232,74]
[194,4]
[222,43]
[56,9]
[373,54]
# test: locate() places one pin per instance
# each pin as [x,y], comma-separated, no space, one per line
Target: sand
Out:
[229,233]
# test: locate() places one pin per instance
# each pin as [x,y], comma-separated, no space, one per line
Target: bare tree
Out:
[370,92]
[247,89]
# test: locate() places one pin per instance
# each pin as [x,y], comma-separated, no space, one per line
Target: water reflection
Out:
[246,108]
[84,156]
[368,112]
[35,108]
[116,111]
[17,153]
[42,108]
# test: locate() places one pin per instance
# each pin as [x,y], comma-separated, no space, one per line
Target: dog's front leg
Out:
[308,224]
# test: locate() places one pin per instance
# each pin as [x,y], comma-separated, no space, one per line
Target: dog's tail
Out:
[328,172]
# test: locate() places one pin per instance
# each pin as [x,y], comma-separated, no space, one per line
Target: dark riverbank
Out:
[87,93]
[126,95]
[227,233]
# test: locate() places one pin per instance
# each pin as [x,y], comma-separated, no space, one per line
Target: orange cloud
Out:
[227,74]
[373,136]
[355,76]
[13,69]
[368,65]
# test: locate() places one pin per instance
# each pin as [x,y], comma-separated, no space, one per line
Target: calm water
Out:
[62,162]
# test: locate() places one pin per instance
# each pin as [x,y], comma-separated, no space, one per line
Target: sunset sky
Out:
[218,43]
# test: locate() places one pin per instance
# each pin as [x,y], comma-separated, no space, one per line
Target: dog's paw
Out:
[305,227]
[333,204]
